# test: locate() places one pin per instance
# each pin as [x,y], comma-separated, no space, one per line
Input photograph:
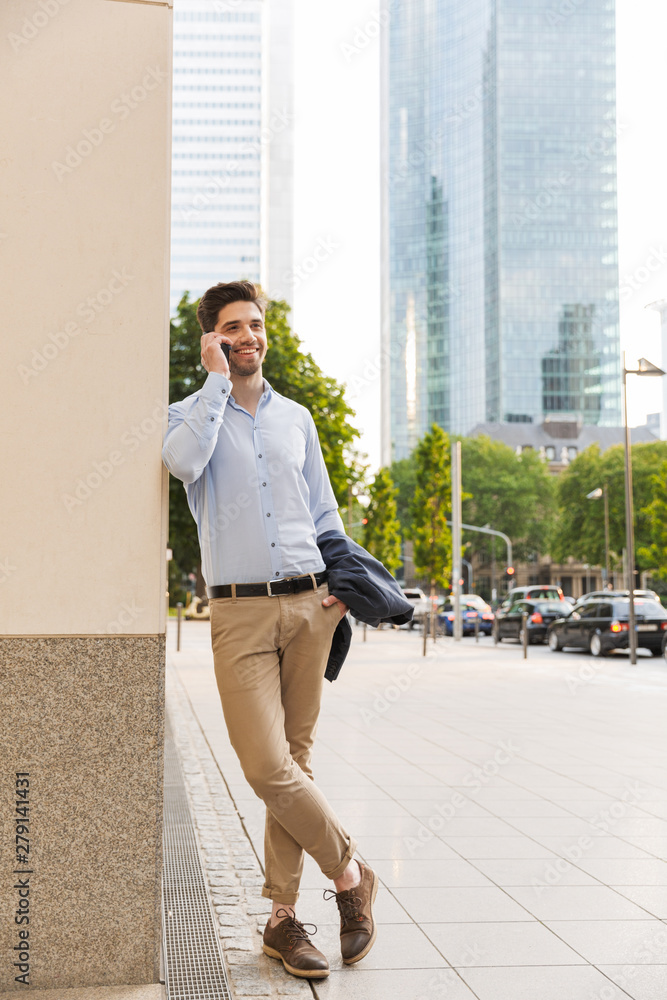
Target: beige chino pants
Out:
[270,655]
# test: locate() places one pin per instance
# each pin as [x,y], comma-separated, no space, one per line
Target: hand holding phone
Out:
[211,357]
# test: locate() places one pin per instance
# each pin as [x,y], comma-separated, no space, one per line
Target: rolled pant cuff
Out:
[347,857]
[287,898]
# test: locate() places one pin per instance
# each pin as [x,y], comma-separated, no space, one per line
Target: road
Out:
[515,810]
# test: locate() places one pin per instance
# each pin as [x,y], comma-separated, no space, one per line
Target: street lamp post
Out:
[595,495]
[644,368]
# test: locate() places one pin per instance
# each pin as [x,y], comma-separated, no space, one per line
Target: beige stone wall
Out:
[84,187]
[84,237]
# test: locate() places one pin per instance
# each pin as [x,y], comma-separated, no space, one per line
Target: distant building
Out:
[500,277]
[560,441]
[232,160]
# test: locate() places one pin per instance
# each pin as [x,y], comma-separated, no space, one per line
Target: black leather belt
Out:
[273,588]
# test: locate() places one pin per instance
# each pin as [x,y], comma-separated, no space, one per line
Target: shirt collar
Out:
[264,398]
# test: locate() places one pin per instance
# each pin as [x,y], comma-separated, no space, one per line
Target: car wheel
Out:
[657,652]
[554,642]
[595,646]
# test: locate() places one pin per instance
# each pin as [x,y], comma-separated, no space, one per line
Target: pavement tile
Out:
[419,872]
[403,847]
[633,942]
[521,872]
[459,904]
[626,871]
[642,982]
[600,847]
[576,902]
[355,982]
[500,944]
[650,897]
[398,946]
[497,847]
[576,982]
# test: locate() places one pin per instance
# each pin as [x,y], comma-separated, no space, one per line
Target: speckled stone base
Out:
[84,718]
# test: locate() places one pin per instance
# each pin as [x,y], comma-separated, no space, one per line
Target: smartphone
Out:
[225,351]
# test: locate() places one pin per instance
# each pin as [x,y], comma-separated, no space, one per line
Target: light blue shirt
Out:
[257,486]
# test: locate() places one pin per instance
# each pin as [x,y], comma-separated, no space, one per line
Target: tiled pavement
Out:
[516,813]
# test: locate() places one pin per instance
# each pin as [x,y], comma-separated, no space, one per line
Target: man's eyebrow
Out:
[233,322]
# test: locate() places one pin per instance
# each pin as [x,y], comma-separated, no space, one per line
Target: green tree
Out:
[580,530]
[403,473]
[654,555]
[291,372]
[509,492]
[382,532]
[430,507]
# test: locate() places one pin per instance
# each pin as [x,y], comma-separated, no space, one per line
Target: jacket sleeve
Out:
[193,428]
[321,499]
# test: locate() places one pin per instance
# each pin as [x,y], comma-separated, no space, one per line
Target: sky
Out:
[337,305]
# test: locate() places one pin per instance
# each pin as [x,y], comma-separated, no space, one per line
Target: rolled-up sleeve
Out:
[193,429]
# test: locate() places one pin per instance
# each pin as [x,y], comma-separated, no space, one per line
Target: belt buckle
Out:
[268,587]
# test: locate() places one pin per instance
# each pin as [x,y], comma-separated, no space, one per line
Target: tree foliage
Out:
[382,532]
[403,473]
[509,492]
[654,555]
[431,505]
[292,373]
[580,529]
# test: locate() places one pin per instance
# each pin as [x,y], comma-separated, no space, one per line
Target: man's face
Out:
[242,322]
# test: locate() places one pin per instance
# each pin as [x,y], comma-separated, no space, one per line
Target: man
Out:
[259,490]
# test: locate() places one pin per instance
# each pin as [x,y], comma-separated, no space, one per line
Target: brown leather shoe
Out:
[357,926]
[289,942]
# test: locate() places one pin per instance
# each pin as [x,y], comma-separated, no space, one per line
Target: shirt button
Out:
[268,515]
[224,392]
[211,419]
[277,574]
[263,484]
[259,456]
[273,545]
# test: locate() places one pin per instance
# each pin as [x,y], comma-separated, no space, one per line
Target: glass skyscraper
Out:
[500,275]
[232,152]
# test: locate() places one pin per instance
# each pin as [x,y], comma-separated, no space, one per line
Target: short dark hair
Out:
[223,294]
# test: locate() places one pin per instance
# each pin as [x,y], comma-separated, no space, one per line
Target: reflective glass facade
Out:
[499,215]
[232,160]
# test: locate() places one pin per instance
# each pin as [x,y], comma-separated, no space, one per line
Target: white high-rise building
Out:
[232,153]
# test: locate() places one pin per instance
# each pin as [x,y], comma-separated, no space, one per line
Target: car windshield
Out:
[643,608]
[549,607]
[413,595]
[545,593]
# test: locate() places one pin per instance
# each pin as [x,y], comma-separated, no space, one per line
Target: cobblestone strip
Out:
[232,872]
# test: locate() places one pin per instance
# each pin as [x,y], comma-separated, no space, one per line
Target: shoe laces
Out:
[293,928]
[347,901]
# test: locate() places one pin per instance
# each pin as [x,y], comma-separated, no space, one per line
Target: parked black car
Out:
[649,594]
[602,625]
[509,619]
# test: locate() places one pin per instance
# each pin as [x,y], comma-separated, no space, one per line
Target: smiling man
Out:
[259,491]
